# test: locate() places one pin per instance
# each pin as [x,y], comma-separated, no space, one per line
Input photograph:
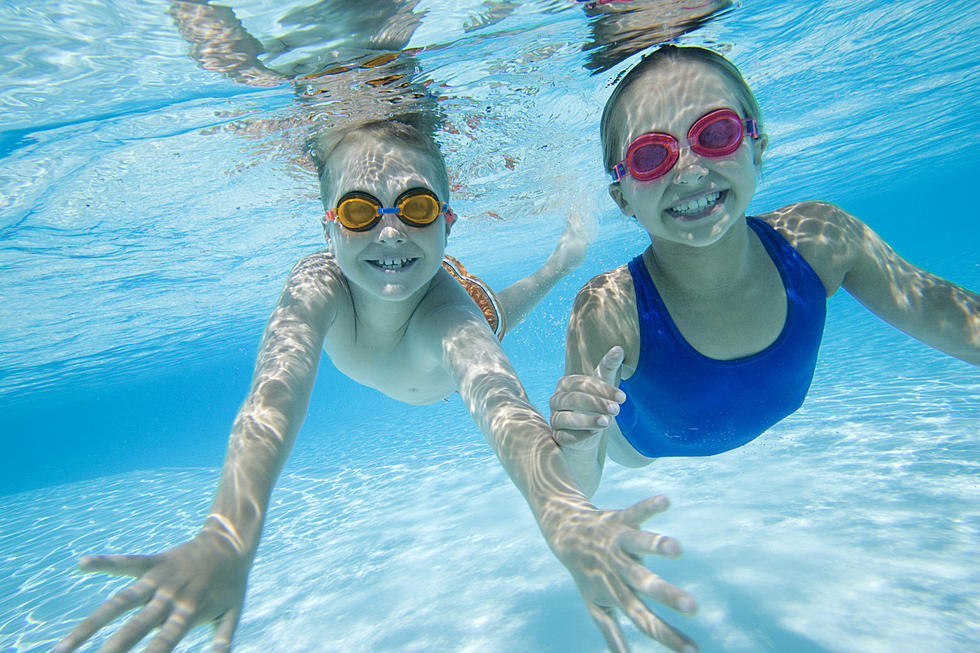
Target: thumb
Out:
[609,365]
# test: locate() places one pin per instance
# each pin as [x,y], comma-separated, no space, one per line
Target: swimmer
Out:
[710,336]
[391,312]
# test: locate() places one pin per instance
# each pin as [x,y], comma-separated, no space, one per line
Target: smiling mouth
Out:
[392,264]
[698,207]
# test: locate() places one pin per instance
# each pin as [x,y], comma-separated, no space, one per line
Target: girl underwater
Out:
[710,336]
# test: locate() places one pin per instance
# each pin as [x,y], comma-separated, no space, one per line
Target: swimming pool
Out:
[145,234]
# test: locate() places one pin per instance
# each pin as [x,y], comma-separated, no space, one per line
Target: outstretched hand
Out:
[583,405]
[603,549]
[200,581]
[580,230]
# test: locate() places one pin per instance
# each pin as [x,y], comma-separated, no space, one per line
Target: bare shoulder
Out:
[315,272]
[316,286]
[321,264]
[603,315]
[445,305]
[448,329]
[823,233]
[606,293]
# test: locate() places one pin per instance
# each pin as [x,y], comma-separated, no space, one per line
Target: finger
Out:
[641,543]
[641,511]
[226,629]
[136,627]
[649,623]
[589,390]
[588,423]
[132,596]
[650,584]
[173,630]
[120,565]
[575,440]
[605,619]
[609,365]
[593,397]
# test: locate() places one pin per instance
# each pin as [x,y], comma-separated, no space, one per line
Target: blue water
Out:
[144,238]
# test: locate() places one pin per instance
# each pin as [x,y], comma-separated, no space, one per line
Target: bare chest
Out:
[390,363]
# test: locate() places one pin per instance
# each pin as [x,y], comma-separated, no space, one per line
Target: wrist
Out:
[222,531]
[559,513]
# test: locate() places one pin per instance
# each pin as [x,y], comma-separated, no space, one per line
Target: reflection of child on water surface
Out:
[711,335]
[392,314]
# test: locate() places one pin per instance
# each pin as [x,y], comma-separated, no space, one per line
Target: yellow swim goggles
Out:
[416,207]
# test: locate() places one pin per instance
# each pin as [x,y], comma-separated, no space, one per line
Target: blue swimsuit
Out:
[682,403]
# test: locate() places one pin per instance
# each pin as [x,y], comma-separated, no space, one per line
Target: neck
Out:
[388,317]
[713,269]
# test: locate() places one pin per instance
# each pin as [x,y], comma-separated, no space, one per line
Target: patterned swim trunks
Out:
[481,294]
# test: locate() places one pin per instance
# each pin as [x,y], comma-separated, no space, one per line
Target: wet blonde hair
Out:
[612,147]
[412,132]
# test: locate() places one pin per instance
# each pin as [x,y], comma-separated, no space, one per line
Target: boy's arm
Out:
[265,428]
[204,579]
[601,548]
[519,298]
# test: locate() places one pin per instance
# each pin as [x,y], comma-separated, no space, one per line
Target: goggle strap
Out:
[752,128]
[330,215]
[619,171]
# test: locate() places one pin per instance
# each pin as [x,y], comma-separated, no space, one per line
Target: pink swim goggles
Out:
[715,134]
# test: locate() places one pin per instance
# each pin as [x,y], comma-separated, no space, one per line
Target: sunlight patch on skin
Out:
[228,531]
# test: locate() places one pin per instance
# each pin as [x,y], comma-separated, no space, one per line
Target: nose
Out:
[391,231]
[689,168]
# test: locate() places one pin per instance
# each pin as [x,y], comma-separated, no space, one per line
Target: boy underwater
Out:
[392,314]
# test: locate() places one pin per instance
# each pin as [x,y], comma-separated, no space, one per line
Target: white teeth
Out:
[697,205]
[392,263]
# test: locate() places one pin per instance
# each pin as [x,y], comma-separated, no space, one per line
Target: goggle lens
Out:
[651,157]
[420,208]
[717,134]
[357,212]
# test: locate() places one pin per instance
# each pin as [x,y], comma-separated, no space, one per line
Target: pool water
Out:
[150,209]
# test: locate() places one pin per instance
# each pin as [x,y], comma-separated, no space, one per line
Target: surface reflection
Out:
[345,62]
[622,28]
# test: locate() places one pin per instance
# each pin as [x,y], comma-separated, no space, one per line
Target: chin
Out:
[705,232]
[395,292]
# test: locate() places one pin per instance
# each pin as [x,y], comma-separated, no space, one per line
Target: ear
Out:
[450,221]
[759,148]
[326,228]
[617,194]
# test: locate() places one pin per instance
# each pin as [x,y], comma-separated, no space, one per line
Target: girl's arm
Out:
[602,330]
[204,579]
[846,252]
[923,305]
